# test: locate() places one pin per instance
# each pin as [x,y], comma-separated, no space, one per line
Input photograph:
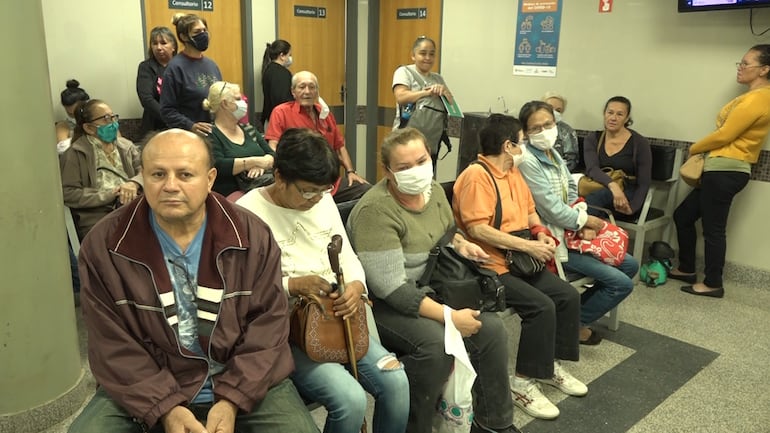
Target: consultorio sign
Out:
[192,5]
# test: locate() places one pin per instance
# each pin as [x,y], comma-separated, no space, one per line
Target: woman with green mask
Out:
[101,170]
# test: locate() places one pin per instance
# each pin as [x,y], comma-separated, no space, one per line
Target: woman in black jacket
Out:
[149,77]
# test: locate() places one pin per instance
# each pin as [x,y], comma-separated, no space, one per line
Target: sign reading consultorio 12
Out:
[537,38]
[193,5]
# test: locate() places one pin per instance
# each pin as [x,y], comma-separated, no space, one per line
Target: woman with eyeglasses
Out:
[303,217]
[101,170]
[242,157]
[617,147]
[742,126]
[188,77]
[419,94]
[149,77]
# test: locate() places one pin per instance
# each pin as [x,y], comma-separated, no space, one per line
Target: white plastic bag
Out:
[455,409]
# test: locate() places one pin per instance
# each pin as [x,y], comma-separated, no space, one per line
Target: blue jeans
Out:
[612,284]
[282,410]
[603,198]
[332,385]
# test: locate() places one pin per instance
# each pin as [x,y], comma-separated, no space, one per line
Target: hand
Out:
[624,208]
[181,420]
[587,234]
[543,237]
[126,192]
[355,177]
[221,418]
[309,285]
[255,172]
[465,321]
[347,303]
[201,128]
[540,250]
[471,251]
[594,223]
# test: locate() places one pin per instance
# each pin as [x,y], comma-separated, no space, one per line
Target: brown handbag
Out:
[692,170]
[586,185]
[321,335]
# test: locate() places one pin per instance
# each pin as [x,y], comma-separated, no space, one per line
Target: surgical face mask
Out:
[240,109]
[545,139]
[557,116]
[415,180]
[107,133]
[200,41]
[289,61]
[517,159]
[71,121]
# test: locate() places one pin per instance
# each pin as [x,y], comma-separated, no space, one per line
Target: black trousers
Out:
[549,308]
[710,203]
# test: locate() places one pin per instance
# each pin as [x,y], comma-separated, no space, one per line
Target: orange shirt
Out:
[474,203]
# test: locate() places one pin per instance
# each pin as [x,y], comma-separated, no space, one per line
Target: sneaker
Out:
[528,396]
[565,382]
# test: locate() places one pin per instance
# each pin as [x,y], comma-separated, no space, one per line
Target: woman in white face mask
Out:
[243,158]
[554,192]
[620,148]
[567,141]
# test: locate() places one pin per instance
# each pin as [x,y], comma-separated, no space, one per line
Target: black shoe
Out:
[716,293]
[689,278]
[477,428]
[592,339]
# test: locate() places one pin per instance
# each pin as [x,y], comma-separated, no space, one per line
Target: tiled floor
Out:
[678,363]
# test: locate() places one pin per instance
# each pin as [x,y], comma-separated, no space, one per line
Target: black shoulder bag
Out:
[460,283]
[520,264]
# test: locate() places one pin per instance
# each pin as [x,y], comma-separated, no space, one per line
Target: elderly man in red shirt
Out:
[305,111]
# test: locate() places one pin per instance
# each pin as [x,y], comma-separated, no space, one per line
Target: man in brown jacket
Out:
[187,321]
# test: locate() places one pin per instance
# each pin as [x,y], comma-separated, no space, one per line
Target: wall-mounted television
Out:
[714,5]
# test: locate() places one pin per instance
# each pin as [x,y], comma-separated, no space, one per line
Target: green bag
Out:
[655,272]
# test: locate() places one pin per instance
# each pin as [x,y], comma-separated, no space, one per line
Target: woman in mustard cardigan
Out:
[742,126]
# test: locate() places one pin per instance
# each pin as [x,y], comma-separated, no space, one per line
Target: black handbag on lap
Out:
[460,283]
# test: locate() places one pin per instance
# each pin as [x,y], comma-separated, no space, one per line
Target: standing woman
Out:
[240,151]
[188,77]
[620,148]
[276,77]
[418,90]
[742,126]
[149,77]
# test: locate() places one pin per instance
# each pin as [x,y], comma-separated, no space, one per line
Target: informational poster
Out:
[537,38]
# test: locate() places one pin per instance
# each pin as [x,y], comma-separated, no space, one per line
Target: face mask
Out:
[289,61]
[415,180]
[240,109]
[72,122]
[544,140]
[517,159]
[107,133]
[200,41]
[557,116]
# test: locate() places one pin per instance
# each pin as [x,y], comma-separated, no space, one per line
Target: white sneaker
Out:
[528,396]
[565,382]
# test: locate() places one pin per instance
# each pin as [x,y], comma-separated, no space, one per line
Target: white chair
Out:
[72,231]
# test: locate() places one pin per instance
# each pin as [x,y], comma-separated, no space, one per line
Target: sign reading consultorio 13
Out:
[193,5]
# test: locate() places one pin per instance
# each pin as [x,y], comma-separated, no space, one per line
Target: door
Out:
[316,31]
[224,24]
[401,22]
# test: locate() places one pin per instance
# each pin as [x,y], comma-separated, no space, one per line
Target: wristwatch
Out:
[352,170]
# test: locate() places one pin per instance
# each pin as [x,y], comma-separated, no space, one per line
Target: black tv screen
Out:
[714,5]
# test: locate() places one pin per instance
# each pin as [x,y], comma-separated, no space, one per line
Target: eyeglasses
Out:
[539,128]
[109,118]
[309,195]
[744,65]
[182,276]
[223,89]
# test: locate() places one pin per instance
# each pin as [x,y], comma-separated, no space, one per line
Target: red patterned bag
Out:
[609,246]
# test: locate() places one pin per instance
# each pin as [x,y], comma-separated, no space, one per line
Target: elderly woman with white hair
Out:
[566,141]
[242,157]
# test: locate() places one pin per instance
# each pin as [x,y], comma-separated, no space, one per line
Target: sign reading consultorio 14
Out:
[537,38]
[193,5]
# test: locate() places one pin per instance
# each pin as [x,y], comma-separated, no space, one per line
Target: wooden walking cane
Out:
[334,249]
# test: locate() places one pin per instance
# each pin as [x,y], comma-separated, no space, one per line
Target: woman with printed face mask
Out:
[239,150]
[69,98]
[549,307]
[393,228]
[188,77]
[554,192]
[149,77]
[100,170]
[276,77]
[617,147]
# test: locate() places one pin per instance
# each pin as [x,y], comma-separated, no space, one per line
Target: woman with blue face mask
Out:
[188,77]
[100,170]
[241,155]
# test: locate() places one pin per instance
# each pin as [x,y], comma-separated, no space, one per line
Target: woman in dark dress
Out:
[149,77]
[276,77]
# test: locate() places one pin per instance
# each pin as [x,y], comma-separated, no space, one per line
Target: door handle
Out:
[343,92]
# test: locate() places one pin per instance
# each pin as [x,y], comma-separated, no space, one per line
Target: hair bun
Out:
[73,84]
[177,16]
